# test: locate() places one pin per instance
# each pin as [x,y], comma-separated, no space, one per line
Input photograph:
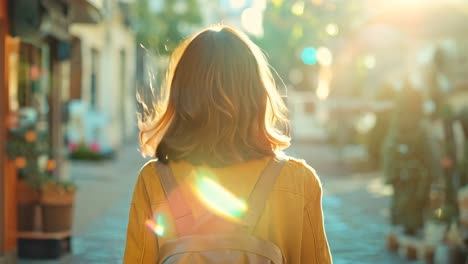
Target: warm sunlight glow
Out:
[252,21]
[369,61]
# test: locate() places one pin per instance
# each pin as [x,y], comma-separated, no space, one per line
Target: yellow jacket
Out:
[292,218]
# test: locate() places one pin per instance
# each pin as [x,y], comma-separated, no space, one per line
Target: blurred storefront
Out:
[35,77]
[102,110]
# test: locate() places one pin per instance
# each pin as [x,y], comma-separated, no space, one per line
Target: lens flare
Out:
[158,226]
[220,200]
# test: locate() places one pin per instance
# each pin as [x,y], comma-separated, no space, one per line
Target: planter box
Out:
[28,210]
[57,210]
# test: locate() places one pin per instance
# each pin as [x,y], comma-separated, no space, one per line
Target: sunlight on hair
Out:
[159,226]
[219,200]
[182,96]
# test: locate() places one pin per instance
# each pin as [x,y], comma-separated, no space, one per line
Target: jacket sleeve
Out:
[141,245]
[315,247]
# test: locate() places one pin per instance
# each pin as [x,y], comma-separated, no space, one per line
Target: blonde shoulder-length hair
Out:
[219,104]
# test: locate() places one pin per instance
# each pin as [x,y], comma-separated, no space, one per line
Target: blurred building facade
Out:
[35,71]
[103,109]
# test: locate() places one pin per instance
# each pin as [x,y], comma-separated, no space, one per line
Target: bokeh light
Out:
[259,4]
[277,3]
[324,56]
[298,8]
[366,123]
[369,61]
[219,200]
[309,56]
[332,29]
[252,21]
[323,89]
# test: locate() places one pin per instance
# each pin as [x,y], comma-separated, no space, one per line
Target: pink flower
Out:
[72,146]
[95,147]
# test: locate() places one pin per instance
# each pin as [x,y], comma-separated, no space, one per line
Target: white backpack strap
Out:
[261,192]
[181,212]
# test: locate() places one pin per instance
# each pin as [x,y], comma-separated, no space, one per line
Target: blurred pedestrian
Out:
[217,139]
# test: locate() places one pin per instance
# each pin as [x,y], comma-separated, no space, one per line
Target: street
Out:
[355,208]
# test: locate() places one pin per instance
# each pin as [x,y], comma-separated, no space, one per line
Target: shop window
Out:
[29,74]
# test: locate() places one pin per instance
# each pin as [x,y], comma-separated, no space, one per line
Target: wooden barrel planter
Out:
[28,207]
[57,210]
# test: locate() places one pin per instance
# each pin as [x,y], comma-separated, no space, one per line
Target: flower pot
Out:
[57,210]
[28,210]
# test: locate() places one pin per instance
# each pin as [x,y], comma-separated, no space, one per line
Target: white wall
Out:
[109,38]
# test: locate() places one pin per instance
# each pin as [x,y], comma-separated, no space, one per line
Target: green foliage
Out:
[286,34]
[161,31]
[54,184]
[25,146]
[84,152]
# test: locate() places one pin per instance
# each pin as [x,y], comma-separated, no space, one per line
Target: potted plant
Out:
[27,147]
[45,204]
[57,203]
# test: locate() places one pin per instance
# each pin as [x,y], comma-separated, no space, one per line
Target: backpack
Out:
[218,244]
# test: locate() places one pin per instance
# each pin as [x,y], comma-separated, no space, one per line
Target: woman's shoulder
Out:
[300,166]
[148,180]
[148,170]
[299,171]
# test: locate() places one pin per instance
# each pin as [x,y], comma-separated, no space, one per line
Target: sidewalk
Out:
[101,184]
[355,208]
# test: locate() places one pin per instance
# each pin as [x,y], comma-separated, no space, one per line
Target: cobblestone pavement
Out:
[355,209]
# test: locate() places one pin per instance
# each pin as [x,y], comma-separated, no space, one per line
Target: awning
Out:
[86,11]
